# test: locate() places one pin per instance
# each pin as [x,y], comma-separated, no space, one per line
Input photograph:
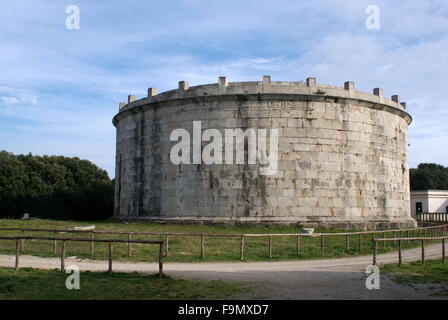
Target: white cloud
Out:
[59,89]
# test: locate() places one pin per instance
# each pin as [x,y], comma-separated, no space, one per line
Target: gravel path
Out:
[342,278]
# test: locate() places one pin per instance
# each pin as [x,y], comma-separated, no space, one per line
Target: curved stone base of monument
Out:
[317,222]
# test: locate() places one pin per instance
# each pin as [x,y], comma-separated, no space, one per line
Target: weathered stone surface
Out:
[342,157]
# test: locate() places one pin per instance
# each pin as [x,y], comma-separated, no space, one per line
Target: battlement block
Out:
[121,105]
[266,79]
[222,85]
[378,92]
[403,104]
[152,92]
[349,85]
[131,98]
[396,98]
[311,82]
[183,85]
[222,82]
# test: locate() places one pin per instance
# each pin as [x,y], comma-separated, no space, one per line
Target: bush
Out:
[54,187]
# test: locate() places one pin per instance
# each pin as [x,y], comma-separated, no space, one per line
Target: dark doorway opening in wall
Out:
[419,207]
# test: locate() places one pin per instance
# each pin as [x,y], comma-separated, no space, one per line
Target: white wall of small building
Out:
[432,201]
[438,204]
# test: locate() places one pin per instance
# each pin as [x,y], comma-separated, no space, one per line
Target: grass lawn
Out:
[433,272]
[31,284]
[187,249]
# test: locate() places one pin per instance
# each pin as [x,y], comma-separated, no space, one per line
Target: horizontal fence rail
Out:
[19,247]
[430,231]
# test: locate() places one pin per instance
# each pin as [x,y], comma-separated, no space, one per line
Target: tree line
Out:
[54,187]
[429,176]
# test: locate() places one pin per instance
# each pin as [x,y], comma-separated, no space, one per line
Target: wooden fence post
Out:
[17,254]
[55,244]
[129,244]
[270,247]
[92,244]
[384,242]
[443,250]
[166,245]
[202,246]
[399,254]
[298,245]
[161,253]
[347,243]
[22,241]
[374,252]
[242,248]
[360,241]
[322,245]
[423,251]
[110,257]
[63,255]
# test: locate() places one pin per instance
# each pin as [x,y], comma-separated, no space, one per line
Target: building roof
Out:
[430,192]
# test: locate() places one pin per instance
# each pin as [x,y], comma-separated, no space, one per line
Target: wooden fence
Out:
[19,246]
[430,231]
[422,240]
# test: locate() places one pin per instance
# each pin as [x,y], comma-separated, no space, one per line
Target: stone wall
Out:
[342,156]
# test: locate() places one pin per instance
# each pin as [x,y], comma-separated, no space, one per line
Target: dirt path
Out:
[341,278]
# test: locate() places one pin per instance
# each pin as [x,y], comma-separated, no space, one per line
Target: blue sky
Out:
[60,88]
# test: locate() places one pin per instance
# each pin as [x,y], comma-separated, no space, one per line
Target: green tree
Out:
[54,187]
[429,176]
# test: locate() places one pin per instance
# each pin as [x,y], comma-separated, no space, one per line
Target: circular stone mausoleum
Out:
[264,152]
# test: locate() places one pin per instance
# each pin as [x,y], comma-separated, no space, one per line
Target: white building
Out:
[429,201]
